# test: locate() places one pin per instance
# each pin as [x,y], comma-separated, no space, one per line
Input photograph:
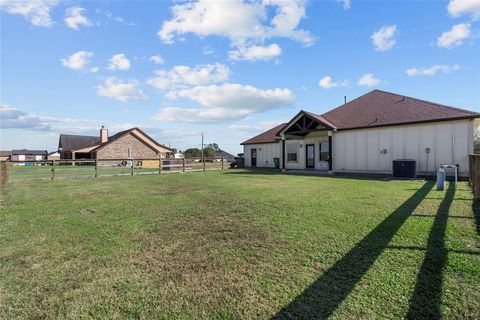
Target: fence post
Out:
[4,176]
[183,164]
[96,168]
[476,177]
[53,169]
[222,163]
[132,167]
[203,159]
[470,171]
[160,166]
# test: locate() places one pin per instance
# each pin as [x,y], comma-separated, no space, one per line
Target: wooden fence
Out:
[474,175]
[94,168]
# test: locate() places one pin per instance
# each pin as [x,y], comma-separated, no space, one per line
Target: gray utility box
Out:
[405,168]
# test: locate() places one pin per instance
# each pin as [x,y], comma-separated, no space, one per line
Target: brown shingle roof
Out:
[71,142]
[376,109]
[380,108]
[265,137]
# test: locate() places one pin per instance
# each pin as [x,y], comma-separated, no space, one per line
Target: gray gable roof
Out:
[31,152]
[224,154]
[69,141]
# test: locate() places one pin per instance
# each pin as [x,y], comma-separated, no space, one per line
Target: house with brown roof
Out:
[128,144]
[366,135]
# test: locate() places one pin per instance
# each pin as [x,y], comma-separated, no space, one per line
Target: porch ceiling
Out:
[303,126]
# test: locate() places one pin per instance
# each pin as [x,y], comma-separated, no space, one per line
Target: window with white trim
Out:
[324,152]
[292,151]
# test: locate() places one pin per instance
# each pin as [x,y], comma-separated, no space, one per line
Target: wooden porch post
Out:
[283,153]
[330,154]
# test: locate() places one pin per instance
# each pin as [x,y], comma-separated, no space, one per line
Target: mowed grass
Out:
[44,172]
[237,244]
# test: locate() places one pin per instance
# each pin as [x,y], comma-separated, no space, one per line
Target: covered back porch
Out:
[307,144]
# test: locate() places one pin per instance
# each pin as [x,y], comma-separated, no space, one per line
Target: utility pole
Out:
[203,160]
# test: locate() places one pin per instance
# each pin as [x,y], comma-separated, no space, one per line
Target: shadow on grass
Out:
[320,300]
[476,213]
[426,298]
[271,172]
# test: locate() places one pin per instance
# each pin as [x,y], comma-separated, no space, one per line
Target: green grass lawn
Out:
[237,244]
[44,172]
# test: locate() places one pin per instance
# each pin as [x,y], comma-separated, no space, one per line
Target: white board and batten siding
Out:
[360,150]
[265,154]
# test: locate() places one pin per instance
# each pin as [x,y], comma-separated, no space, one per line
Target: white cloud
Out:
[431,71]
[458,8]
[253,53]
[15,118]
[207,50]
[237,96]
[384,39]
[74,17]
[37,12]
[119,62]
[328,83]
[243,22]
[455,36]
[181,76]
[157,59]
[118,89]
[199,115]
[346,4]
[110,16]
[259,127]
[368,80]
[79,61]
[227,102]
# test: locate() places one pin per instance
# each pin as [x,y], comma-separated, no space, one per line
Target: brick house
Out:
[128,144]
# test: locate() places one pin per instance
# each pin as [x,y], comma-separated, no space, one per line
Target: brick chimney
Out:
[103,135]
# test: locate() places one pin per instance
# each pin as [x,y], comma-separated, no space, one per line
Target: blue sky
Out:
[230,69]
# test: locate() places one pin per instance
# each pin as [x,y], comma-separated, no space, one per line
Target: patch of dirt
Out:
[213,259]
[88,212]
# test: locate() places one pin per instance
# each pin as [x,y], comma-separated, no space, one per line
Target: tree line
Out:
[208,151]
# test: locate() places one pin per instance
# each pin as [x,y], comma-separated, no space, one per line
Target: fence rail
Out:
[85,168]
[474,175]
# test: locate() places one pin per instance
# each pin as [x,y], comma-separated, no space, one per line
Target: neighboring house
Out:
[366,134]
[5,155]
[55,155]
[128,144]
[227,157]
[178,155]
[28,155]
